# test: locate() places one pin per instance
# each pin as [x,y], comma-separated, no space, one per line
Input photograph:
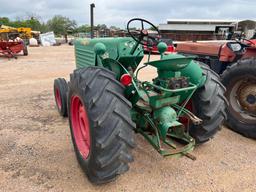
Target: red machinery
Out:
[10,49]
[235,62]
[153,48]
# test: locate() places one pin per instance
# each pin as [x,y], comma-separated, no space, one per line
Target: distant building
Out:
[197,29]
[248,27]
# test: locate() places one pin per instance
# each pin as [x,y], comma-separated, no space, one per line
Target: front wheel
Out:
[60,88]
[100,123]
[240,81]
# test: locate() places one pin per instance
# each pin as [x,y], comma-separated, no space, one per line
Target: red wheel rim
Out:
[80,126]
[58,98]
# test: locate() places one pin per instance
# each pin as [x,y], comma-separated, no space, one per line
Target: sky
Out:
[118,12]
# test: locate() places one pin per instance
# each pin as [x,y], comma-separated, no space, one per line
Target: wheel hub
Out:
[251,99]
[80,126]
[246,96]
[58,98]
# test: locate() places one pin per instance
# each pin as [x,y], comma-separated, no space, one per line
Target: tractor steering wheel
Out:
[242,43]
[142,36]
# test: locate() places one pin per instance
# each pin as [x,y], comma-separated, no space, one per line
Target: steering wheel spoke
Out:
[142,25]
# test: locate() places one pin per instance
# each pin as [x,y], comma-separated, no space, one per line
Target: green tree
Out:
[114,28]
[83,29]
[61,25]
[101,27]
[4,21]
[32,22]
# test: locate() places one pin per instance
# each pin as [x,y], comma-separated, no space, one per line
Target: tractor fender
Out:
[194,72]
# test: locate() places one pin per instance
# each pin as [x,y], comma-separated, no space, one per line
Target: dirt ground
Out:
[36,153]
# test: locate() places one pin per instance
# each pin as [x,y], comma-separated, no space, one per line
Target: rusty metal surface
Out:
[238,97]
[247,95]
[199,48]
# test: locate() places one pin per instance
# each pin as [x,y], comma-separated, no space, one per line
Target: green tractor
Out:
[106,103]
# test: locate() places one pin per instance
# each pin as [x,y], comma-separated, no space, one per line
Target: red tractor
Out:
[235,61]
[152,48]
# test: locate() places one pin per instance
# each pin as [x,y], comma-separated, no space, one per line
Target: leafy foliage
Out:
[32,23]
[59,24]
[83,29]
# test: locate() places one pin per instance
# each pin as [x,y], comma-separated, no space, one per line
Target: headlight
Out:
[235,47]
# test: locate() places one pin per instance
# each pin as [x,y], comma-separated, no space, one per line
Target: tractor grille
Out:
[84,57]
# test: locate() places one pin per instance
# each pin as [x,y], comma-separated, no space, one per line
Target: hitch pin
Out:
[194,119]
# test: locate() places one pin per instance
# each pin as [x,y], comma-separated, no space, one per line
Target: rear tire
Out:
[60,93]
[240,81]
[209,104]
[110,124]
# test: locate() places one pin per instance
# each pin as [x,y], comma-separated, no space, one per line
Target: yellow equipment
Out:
[6,32]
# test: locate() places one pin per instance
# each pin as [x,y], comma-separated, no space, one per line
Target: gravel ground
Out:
[36,153]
